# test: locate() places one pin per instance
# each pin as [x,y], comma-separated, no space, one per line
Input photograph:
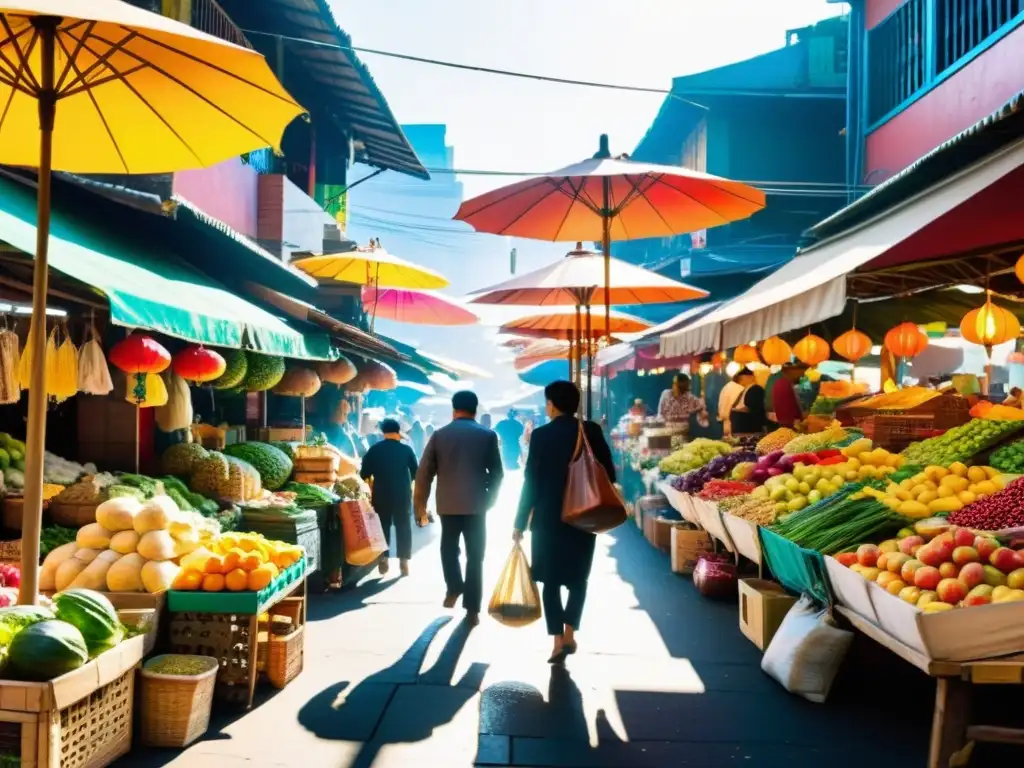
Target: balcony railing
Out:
[208,16]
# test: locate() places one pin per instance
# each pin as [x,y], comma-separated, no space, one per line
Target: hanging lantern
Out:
[719,359]
[906,340]
[989,325]
[155,392]
[199,364]
[811,350]
[138,355]
[1018,268]
[745,354]
[852,345]
[775,351]
[339,372]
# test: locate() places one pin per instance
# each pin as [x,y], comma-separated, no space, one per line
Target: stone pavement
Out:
[663,678]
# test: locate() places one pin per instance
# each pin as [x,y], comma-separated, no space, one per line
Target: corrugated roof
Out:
[999,129]
[309,32]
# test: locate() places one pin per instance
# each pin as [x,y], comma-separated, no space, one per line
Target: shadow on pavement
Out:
[379,711]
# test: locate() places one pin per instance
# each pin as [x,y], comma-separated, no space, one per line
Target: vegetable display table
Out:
[953,735]
[226,625]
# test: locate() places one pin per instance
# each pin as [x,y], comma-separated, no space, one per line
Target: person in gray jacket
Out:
[465,459]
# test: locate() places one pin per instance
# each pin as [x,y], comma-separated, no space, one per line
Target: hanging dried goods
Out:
[93,371]
[10,388]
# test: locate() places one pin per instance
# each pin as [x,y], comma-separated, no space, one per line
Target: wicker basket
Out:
[72,515]
[14,508]
[175,709]
[284,657]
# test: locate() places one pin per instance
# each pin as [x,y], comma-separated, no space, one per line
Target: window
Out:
[962,25]
[896,57]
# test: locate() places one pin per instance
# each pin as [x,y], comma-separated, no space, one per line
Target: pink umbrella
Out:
[404,305]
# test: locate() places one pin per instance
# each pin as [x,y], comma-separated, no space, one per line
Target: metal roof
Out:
[308,31]
[999,129]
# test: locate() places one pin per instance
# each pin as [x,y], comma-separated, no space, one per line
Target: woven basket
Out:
[14,508]
[284,657]
[72,515]
[175,709]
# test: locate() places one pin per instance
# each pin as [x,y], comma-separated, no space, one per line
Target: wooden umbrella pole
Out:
[606,246]
[579,351]
[32,515]
[590,367]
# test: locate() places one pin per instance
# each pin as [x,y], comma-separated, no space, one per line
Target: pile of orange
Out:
[236,562]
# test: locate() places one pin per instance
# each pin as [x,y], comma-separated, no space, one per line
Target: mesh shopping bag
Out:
[515,601]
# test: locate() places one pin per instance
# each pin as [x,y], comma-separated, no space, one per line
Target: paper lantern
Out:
[340,371]
[373,376]
[154,392]
[138,355]
[852,345]
[811,349]
[1018,268]
[745,354]
[906,340]
[775,351]
[298,381]
[199,364]
[989,325]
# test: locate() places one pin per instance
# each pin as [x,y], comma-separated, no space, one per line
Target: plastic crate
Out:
[241,603]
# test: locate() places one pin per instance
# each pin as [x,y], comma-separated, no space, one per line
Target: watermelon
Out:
[17,617]
[93,615]
[46,650]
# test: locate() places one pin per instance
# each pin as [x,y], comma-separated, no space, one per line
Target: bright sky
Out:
[503,123]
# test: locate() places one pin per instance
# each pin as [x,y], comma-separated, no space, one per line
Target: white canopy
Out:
[812,287]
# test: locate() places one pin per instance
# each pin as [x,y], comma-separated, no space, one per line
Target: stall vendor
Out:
[678,404]
[747,415]
[785,401]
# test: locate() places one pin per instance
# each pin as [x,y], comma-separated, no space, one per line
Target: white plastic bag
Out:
[806,652]
[93,373]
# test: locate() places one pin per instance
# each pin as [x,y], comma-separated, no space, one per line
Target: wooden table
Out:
[953,735]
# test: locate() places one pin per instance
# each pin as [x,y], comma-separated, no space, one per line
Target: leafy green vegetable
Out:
[116,491]
[148,485]
[54,536]
[307,495]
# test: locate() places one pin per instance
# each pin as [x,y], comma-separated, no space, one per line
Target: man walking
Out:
[390,467]
[510,432]
[465,459]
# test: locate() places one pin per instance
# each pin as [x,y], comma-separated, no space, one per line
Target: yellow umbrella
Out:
[371,265]
[99,86]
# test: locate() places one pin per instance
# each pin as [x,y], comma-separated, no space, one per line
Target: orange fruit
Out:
[251,561]
[232,559]
[188,580]
[237,580]
[213,582]
[260,578]
[215,564]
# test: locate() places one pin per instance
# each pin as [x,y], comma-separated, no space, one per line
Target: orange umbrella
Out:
[403,305]
[606,198]
[549,349]
[564,324]
[578,279]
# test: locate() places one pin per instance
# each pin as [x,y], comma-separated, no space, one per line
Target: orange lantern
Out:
[989,325]
[852,345]
[775,351]
[811,350]
[745,354]
[906,340]
[1018,269]
[198,364]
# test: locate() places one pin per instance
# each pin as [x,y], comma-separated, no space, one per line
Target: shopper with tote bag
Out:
[568,496]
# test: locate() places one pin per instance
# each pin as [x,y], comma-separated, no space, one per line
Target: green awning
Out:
[148,286]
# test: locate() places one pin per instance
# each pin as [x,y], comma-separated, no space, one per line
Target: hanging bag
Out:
[591,502]
[515,601]
[362,533]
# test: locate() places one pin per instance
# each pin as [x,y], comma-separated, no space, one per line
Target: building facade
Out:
[922,71]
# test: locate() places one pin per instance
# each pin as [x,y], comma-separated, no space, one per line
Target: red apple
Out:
[907,544]
[847,558]
[926,577]
[867,555]
[909,569]
[951,591]
[944,544]
[1006,560]
[949,570]
[985,545]
[962,537]
[964,555]
[972,575]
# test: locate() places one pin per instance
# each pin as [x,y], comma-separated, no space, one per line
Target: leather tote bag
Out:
[591,501]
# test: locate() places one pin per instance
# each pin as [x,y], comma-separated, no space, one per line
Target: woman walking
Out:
[561,554]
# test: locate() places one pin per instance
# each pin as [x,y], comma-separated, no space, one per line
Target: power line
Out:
[482,70]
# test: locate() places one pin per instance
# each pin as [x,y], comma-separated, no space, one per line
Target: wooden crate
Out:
[80,720]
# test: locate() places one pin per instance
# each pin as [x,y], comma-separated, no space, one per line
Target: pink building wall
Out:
[875,11]
[227,191]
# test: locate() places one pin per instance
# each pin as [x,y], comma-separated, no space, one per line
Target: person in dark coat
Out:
[561,554]
[390,466]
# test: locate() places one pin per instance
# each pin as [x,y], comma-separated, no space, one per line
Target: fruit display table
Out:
[953,734]
[225,625]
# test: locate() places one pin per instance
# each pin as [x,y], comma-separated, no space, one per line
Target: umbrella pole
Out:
[606,246]
[579,353]
[32,516]
[590,367]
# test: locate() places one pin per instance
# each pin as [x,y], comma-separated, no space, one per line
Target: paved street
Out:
[663,678]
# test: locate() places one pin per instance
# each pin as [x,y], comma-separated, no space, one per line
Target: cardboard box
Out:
[763,606]
[663,533]
[687,544]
